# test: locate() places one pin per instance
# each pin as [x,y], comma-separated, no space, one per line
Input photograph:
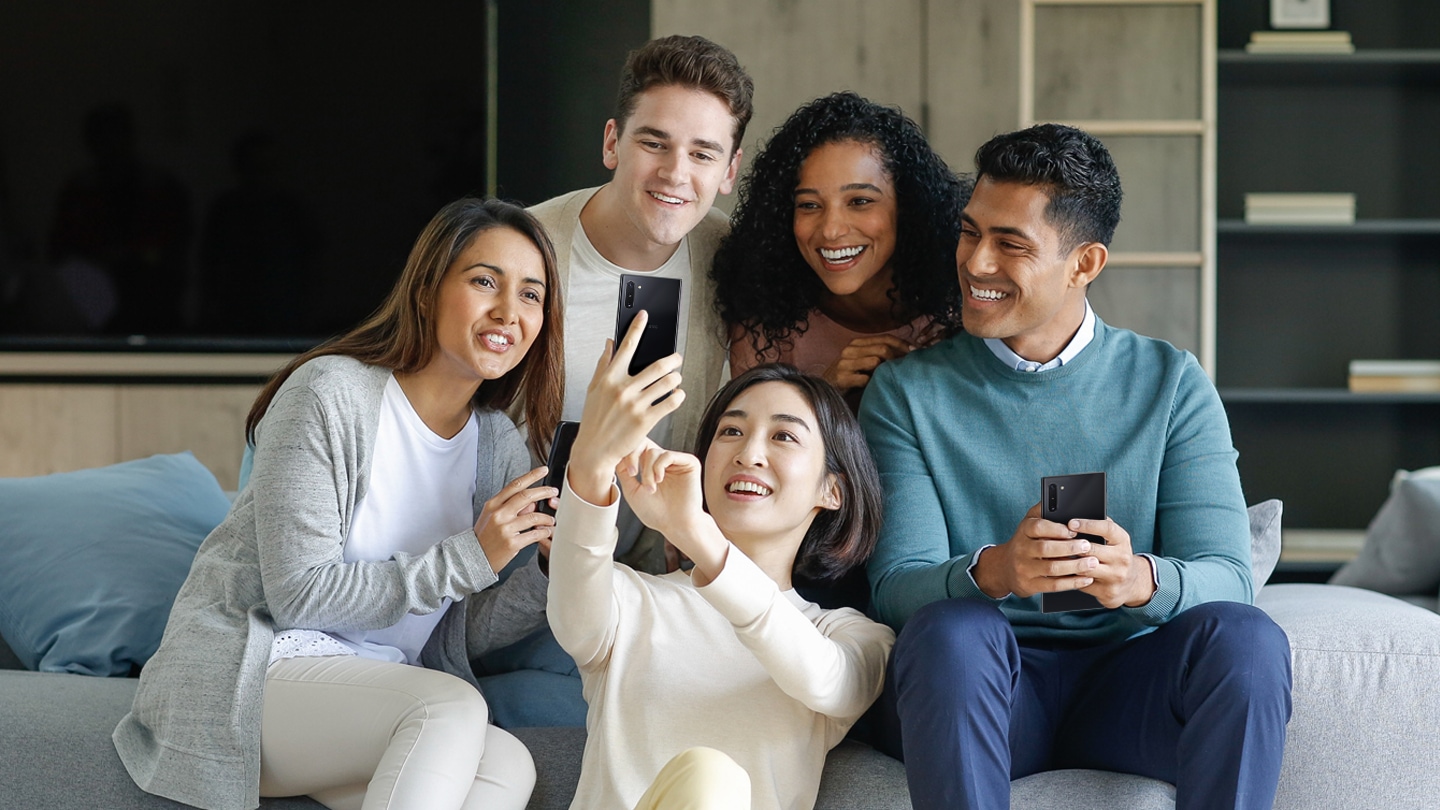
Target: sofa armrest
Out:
[1364,731]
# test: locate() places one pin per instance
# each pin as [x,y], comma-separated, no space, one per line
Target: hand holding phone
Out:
[560,443]
[1064,498]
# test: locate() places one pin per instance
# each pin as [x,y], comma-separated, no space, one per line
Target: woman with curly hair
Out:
[841,252]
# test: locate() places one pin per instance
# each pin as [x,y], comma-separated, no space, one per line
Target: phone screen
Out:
[1062,499]
[560,443]
[660,298]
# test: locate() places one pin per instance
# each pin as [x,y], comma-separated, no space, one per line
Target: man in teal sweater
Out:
[1176,676]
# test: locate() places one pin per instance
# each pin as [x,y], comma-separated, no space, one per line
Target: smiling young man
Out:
[673,145]
[1177,677]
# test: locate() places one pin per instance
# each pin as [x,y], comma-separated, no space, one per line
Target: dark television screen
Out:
[258,170]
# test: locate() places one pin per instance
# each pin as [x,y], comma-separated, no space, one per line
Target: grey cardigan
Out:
[276,563]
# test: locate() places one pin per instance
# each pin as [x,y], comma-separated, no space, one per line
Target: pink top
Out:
[814,351]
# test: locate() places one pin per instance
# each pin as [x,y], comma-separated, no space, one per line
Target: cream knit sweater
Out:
[738,665]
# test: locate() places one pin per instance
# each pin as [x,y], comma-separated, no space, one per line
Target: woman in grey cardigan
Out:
[321,642]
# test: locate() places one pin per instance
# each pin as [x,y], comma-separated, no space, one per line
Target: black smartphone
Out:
[660,298]
[1062,499]
[560,443]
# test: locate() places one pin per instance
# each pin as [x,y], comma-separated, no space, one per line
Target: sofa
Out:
[1363,732]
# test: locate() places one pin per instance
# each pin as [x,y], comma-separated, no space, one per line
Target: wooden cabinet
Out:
[63,412]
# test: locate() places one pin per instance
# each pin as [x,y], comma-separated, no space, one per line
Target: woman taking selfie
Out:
[320,644]
[723,672]
[841,251]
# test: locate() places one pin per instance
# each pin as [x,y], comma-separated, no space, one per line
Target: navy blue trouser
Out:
[1201,702]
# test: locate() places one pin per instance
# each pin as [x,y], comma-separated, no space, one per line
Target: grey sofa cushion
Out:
[1401,554]
[1069,789]
[1264,540]
[1362,735]
[1366,674]
[55,732]
[55,735]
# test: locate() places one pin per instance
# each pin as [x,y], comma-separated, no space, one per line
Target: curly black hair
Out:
[761,280]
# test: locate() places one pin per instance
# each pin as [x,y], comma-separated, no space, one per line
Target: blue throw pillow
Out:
[92,559]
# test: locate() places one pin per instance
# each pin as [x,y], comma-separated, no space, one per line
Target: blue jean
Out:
[1202,703]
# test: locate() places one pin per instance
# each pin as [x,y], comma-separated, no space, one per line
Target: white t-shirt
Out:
[590,319]
[421,492]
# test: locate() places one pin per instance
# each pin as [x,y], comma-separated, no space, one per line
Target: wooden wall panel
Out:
[1161,179]
[973,75]
[207,420]
[1162,302]
[49,428]
[1117,62]
[799,50]
[56,428]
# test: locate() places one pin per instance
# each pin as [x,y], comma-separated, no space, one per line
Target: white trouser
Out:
[357,734]
[698,779]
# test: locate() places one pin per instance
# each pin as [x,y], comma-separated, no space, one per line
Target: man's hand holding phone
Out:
[1043,556]
[1120,577]
[1040,557]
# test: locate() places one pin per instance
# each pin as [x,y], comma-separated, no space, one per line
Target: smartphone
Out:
[1063,498]
[560,443]
[660,298]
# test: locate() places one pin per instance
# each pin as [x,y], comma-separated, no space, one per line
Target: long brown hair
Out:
[400,335]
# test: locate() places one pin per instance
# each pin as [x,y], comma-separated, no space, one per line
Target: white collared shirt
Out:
[1075,346]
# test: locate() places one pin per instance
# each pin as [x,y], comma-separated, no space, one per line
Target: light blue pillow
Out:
[92,559]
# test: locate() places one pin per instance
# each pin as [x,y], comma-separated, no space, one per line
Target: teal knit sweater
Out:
[962,443]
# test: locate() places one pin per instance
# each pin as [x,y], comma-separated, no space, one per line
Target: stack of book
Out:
[1395,376]
[1300,42]
[1320,545]
[1300,209]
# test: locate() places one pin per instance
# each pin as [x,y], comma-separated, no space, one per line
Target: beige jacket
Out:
[706,348]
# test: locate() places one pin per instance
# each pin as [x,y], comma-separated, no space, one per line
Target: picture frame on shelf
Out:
[1299,13]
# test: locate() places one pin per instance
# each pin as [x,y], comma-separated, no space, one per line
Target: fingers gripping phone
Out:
[1064,498]
[660,298]
[560,443]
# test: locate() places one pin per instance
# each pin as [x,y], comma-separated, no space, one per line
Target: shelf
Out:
[1371,56]
[1362,227]
[1321,396]
[1378,64]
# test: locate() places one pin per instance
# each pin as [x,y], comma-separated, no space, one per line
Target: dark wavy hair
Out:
[761,280]
[400,335]
[838,539]
[1073,167]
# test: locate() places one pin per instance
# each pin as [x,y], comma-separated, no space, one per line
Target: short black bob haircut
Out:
[1073,167]
[761,280]
[838,539]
